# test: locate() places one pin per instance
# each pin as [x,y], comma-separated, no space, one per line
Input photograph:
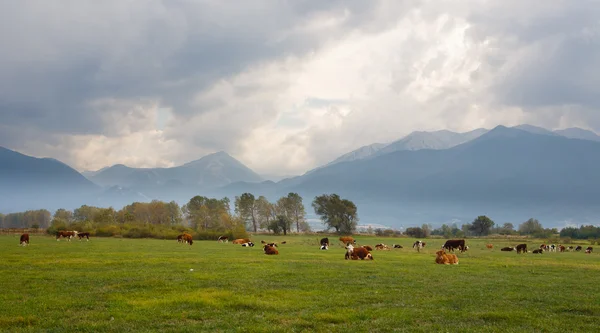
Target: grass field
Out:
[121,285]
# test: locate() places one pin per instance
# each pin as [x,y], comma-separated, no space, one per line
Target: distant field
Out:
[120,285]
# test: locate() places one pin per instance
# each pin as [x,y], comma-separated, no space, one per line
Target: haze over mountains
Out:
[509,174]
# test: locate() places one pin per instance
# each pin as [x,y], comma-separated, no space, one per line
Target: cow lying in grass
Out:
[537,251]
[381,247]
[241,241]
[249,244]
[508,248]
[445,258]
[397,246]
[270,249]
[356,253]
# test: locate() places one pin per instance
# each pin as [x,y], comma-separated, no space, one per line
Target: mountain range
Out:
[509,174]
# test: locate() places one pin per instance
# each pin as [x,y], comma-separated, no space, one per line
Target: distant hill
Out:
[535,129]
[28,182]
[578,133]
[508,171]
[358,154]
[177,183]
[443,139]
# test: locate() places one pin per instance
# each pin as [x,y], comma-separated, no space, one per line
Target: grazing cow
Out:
[444,258]
[263,242]
[83,235]
[180,238]
[324,241]
[241,241]
[187,238]
[66,234]
[578,248]
[489,246]
[249,244]
[284,242]
[561,248]
[419,245]
[507,248]
[589,249]
[569,248]
[369,248]
[381,247]
[522,248]
[270,249]
[552,248]
[397,246]
[347,239]
[452,244]
[24,240]
[324,247]
[223,239]
[537,251]
[361,253]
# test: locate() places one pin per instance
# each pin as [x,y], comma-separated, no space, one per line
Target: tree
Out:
[295,209]
[63,214]
[337,213]
[283,223]
[530,227]
[414,232]
[481,225]
[265,212]
[246,209]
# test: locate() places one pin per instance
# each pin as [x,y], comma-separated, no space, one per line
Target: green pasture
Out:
[123,285]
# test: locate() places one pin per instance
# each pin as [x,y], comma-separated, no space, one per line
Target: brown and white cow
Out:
[270,250]
[241,241]
[187,238]
[361,253]
[381,247]
[24,240]
[489,246]
[589,250]
[223,239]
[66,234]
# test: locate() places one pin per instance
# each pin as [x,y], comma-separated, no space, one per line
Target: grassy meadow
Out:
[122,285]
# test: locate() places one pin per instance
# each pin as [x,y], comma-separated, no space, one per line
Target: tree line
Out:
[202,216]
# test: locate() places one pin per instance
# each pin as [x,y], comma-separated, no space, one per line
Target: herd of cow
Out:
[352,252]
[522,248]
[24,239]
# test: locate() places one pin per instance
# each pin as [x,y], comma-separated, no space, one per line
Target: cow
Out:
[249,244]
[349,250]
[489,246]
[324,241]
[381,247]
[544,247]
[569,248]
[368,247]
[347,239]
[361,253]
[552,248]
[83,235]
[419,245]
[270,250]
[284,242]
[397,246]
[24,240]
[66,234]
[507,248]
[263,242]
[241,241]
[578,248]
[561,248]
[452,244]
[223,239]
[538,251]
[444,258]
[522,248]
[589,250]
[187,238]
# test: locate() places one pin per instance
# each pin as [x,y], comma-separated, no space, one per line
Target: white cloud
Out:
[285,87]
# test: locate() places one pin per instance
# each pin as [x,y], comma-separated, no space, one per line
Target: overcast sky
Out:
[284,86]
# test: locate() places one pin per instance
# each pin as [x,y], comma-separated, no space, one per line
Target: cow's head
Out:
[369,256]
